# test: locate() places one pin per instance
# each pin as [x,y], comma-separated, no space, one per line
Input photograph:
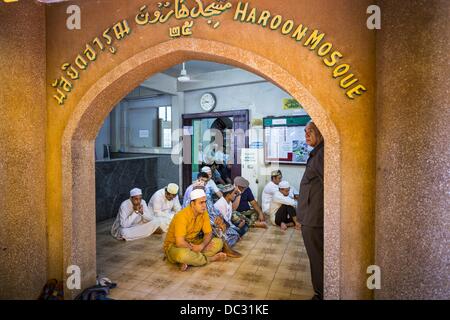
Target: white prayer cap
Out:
[206,169]
[172,188]
[135,192]
[197,193]
[284,185]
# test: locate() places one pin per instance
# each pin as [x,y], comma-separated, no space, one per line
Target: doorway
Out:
[216,137]
[77,191]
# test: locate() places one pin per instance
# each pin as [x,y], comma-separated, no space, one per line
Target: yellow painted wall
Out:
[23,232]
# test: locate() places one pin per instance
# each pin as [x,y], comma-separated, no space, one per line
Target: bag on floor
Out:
[94,293]
[53,290]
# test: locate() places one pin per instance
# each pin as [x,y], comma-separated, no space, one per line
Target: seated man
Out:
[216,176]
[211,184]
[242,202]
[271,188]
[134,220]
[202,179]
[165,203]
[282,208]
[223,205]
[189,240]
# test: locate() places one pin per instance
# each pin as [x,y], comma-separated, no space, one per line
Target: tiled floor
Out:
[274,266]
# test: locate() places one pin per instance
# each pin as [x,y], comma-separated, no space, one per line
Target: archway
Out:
[78,186]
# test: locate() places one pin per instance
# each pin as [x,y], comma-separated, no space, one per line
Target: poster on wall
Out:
[284,140]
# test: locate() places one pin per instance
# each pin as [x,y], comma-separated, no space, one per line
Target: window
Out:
[165,113]
[165,130]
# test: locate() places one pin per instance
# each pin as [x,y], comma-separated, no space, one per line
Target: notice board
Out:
[284,140]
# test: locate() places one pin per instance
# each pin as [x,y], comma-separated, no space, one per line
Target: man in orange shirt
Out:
[189,240]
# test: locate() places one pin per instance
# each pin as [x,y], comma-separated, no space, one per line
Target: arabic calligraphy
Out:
[180,11]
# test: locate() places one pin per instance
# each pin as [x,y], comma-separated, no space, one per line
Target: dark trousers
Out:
[313,239]
[242,230]
[284,214]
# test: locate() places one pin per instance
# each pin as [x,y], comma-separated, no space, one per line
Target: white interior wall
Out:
[251,92]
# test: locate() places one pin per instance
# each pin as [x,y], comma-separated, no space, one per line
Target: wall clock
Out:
[208,101]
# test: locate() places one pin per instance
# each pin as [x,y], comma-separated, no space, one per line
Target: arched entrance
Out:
[78,185]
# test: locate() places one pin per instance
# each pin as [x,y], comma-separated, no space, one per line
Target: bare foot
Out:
[183,267]
[260,224]
[218,257]
[283,226]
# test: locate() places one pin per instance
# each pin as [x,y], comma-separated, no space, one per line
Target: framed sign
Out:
[284,140]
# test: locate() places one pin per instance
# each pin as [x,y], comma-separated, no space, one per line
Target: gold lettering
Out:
[186,29]
[359,90]
[314,39]
[299,33]
[72,73]
[252,16]
[287,27]
[264,18]
[276,22]
[181,11]
[344,83]
[98,43]
[334,58]
[107,36]
[81,63]
[341,70]
[60,97]
[121,29]
[175,32]
[324,49]
[90,53]
[241,12]
[142,18]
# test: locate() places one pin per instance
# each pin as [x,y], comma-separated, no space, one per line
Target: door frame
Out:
[240,122]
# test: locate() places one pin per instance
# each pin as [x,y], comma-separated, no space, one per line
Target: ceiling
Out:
[196,67]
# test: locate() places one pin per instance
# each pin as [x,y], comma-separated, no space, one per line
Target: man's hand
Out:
[261,218]
[242,224]
[138,209]
[218,221]
[197,247]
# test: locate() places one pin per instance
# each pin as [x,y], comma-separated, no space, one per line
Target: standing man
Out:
[165,203]
[134,220]
[190,241]
[310,207]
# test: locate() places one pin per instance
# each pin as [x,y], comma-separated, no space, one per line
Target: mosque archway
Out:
[86,119]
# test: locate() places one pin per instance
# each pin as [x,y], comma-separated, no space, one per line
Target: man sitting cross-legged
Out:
[134,220]
[189,240]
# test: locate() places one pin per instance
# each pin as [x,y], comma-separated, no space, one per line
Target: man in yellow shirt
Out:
[189,240]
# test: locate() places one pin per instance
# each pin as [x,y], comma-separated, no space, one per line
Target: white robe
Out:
[130,225]
[278,200]
[269,190]
[225,209]
[211,184]
[163,208]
